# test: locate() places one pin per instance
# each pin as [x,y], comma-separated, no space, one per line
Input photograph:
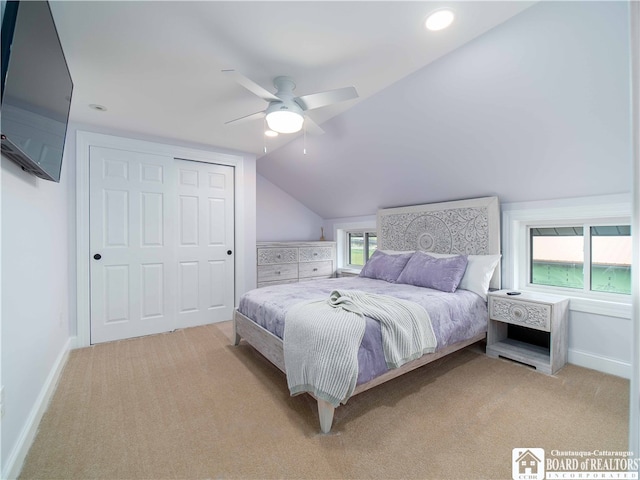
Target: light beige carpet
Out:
[189,405]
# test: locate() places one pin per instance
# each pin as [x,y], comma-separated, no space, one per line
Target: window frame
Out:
[517,217]
[366,232]
[368,223]
[586,289]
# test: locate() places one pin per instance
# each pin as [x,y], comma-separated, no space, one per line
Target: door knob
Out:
[229,252]
[97,256]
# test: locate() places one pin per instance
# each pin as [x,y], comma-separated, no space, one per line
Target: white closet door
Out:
[137,279]
[205,243]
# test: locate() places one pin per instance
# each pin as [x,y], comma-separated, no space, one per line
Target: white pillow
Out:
[477,276]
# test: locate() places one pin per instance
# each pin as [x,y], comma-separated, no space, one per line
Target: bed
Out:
[438,234]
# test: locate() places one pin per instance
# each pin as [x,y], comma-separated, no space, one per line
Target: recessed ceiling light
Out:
[270,133]
[439,20]
[100,108]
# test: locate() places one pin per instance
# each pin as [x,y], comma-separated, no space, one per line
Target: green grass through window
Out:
[357,255]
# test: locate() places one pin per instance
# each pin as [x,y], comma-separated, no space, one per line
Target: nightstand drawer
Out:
[527,314]
[312,254]
[272,256]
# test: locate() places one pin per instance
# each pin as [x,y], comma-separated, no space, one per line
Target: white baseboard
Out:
[25,440]
[600,363]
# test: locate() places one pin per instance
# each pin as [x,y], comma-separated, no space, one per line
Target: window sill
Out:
[597,306]
[349,270]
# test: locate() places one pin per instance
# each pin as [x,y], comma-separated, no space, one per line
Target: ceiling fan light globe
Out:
[285,121]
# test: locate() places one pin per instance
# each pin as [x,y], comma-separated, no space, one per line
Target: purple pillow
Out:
[385,267]
[444,274]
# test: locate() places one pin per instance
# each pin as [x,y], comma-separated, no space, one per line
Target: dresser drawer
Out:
[280,282]
[316,269]
[527,314]
[271,273]
[312,254]
[272,256]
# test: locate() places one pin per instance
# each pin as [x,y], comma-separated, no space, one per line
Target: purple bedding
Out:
[454,316]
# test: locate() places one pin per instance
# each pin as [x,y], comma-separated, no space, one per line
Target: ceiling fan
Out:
[286,113]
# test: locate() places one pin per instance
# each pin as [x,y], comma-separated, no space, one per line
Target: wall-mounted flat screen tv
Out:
[36,89]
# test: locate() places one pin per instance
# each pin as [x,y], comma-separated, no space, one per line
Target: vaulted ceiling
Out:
[156,66]
[526,102]
[538,108]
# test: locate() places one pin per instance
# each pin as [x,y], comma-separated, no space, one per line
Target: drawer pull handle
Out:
[315,254]
[278,256]
[315,269]
[278,273]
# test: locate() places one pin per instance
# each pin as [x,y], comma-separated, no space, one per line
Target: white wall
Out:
[35,298]
[600,342]
[280,217]
[332,225]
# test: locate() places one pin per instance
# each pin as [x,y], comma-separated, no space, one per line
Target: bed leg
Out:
[325,413]
[236,336]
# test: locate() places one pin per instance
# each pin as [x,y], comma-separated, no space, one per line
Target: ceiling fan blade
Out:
[317,100]
[312,127]
[250,85]
[246,118]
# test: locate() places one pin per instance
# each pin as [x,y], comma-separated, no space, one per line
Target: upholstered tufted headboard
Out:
[470,227]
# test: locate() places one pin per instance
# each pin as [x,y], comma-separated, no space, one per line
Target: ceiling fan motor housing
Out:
[284,84]
[284,106]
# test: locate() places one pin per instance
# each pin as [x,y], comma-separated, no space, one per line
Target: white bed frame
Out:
[469,227]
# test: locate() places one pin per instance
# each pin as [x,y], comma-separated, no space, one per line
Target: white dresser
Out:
[290,262]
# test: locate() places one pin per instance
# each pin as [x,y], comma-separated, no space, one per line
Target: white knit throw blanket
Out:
[322,338]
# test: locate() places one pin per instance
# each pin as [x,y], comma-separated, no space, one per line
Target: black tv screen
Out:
[36,89]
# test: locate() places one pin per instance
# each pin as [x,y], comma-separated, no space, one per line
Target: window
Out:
[346,254]
[594,258]
[595,296]
[360,247]
[557,257]
[611,259]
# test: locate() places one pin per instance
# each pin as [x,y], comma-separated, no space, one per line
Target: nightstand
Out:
[529,328]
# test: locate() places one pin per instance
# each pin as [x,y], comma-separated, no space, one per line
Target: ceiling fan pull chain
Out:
[264,136]
[304,141]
